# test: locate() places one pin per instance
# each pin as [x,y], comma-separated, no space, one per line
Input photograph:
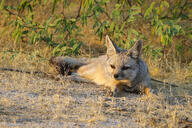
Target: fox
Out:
[118,69]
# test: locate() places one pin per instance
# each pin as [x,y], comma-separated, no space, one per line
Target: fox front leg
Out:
[115,91]
[139,89]
[143,89]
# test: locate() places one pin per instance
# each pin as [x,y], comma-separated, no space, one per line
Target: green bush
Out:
[121,20]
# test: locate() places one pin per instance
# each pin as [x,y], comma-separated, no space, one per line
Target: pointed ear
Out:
[111,47]
[136,50]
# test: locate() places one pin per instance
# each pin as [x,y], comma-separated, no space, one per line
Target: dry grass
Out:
[31,101]
[37,101]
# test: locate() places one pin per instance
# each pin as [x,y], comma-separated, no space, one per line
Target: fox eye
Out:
[125,67]
[112,66]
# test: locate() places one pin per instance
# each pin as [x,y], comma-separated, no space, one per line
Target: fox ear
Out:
[136,50]
[111,47]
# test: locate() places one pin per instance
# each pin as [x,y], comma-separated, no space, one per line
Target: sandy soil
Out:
[33,101]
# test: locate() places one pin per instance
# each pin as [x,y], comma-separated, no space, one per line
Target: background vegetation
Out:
[65,25]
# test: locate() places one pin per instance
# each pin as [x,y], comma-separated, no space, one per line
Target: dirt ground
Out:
[34,101]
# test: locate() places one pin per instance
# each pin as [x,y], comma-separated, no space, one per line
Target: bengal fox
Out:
[119,69]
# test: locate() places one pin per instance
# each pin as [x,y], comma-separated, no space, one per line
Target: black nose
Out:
[116,76]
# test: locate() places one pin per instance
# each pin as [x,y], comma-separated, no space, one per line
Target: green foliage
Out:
[156,53]
[64,49]
[120,19]
[165,28]
[54,28]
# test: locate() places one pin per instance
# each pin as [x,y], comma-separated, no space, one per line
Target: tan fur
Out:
[118,69]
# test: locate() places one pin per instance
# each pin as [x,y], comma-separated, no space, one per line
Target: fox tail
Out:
[67,65]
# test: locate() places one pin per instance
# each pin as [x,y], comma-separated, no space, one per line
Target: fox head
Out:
[123,64]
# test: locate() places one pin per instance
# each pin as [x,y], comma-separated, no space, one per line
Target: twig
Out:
[129,2]
[26,26]
[79,11]
[67,35]
[45,74]
[10,12]
[173,85]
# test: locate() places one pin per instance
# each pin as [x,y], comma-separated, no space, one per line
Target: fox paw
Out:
[109,93]
[147,91]
[114,93]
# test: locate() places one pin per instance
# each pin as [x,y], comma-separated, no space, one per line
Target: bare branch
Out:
[79,11]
